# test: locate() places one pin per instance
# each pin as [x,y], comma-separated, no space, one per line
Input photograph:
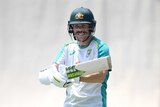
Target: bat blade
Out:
[89,67]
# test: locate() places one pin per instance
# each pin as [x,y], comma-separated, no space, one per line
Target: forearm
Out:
[94,78]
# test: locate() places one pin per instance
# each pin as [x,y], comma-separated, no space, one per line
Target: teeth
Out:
[81,34]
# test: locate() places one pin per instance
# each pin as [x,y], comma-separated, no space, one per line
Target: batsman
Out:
[82,66]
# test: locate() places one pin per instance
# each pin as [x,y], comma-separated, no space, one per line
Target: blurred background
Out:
[33,31]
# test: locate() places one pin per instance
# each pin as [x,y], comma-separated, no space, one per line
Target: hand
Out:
[60,80]
[52,75]
[44,75]
[62,70]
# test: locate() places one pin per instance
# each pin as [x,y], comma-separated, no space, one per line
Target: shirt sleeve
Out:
[61,56]
[103,50]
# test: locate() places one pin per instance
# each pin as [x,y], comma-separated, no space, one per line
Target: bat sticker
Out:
[72,72]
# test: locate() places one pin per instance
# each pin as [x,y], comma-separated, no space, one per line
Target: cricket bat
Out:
[89,67]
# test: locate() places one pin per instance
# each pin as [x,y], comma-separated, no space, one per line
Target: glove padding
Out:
[62,70]
[58,78]
[44,75]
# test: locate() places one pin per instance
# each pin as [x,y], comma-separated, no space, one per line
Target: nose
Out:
[78,30]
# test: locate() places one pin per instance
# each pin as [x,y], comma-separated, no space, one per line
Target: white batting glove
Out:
[52,75]
[62,70]
[59,80]
[44,76]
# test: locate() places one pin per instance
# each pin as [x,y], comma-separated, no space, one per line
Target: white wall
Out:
[33,31]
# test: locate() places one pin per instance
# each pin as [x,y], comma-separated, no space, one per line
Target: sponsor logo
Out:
[72,72]
[72,53]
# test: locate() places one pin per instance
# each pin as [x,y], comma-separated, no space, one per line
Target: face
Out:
[81,31]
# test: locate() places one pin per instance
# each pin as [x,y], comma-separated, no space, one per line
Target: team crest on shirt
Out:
[88,52]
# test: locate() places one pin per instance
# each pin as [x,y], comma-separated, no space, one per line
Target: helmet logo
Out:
[79,16]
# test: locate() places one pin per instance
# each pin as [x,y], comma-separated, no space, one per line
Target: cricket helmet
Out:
[81,16]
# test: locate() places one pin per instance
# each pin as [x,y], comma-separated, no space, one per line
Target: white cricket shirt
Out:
[84,94]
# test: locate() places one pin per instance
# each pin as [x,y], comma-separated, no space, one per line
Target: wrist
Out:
[76,80]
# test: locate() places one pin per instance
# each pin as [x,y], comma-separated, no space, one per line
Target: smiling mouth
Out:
[81,33]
